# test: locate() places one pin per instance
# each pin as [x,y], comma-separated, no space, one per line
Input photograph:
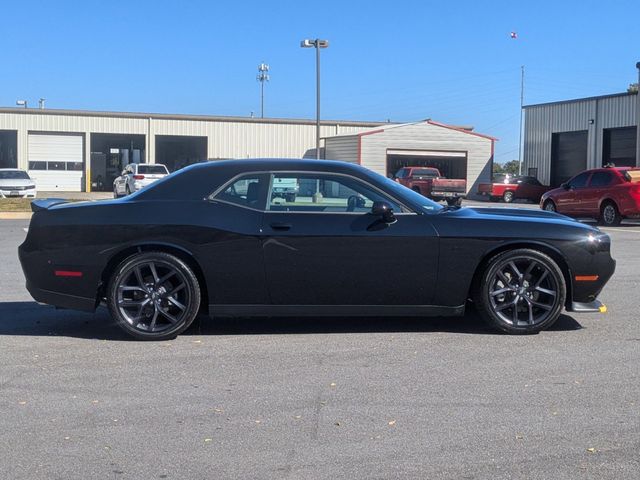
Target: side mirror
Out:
[384,211]
[124,172]
[566,186]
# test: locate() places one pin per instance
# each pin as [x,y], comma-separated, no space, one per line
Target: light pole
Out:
[520,146]
[317,44]
[263,76]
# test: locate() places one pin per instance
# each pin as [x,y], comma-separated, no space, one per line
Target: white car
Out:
[16,183]
[136,176]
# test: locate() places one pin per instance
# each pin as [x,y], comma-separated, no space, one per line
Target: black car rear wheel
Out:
[153,296]
[521,291]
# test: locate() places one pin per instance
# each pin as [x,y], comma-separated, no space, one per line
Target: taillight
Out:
[138,177]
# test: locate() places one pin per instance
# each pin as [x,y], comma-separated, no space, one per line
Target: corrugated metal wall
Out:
[343,148]
[541,121]
[226,139]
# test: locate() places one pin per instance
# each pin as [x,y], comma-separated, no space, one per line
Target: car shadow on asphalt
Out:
[32,319]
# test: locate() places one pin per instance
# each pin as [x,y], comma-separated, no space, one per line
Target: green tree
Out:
[511,167]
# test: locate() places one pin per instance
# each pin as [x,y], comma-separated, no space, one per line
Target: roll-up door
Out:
[56,161]
[568,155]
[619,146]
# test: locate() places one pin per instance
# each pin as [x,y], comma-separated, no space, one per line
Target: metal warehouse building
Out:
[564,138]
[72,150]
[457,152]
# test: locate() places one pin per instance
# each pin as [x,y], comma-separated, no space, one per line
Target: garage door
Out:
[56,162]
[450,164]
[568,155]
[619,146]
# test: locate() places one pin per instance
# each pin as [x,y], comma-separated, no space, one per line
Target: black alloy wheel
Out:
[549,206]
[508,196]
[521,291]
[154,296]
[609,215]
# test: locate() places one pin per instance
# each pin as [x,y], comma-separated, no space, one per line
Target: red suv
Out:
[607,194]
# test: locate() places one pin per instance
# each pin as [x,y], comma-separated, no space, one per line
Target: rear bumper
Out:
[62,300]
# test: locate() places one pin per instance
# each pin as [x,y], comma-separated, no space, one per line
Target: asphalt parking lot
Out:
[320,398]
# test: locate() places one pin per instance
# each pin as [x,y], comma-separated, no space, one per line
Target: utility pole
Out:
[520,146]
[263,76]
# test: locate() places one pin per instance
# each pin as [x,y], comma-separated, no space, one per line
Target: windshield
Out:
[152,169]
[14,175]
[426,205]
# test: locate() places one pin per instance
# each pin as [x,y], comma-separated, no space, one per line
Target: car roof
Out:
[264,164]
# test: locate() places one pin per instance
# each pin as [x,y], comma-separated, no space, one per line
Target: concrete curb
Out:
[15,215]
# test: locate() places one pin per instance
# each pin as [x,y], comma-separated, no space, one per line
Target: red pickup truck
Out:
[429,182]
[509,187]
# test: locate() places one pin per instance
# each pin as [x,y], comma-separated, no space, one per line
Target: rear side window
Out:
[601,179]
[247,191]
[579,181]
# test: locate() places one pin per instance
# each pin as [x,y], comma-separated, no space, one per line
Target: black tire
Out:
[493,198]
[417,190]
[115,192]
[508,196]
[609,215]
[290,197]
[549,206]
[127,190]
[524,299]
[153,296]
[454,202]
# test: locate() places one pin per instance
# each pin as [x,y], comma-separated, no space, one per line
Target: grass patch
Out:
[15,204]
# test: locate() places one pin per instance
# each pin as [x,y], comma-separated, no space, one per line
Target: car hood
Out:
[521,214]
[16,182]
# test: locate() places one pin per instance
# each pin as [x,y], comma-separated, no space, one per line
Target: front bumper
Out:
[596,306]
[30,193]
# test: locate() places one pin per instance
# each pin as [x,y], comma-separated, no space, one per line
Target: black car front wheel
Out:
[153,296]
[521,291]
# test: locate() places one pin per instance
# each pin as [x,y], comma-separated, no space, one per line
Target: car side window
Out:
[600,179]
[323,193]
[579,181]
[246,191]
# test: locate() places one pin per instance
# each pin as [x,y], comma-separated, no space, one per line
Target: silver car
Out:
[136,176]
[16,183]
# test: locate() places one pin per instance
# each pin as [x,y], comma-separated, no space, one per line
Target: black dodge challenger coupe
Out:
[272,237]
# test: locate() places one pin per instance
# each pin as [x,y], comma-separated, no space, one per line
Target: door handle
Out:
[280,226]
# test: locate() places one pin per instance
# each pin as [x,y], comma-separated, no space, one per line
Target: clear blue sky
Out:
[399,60]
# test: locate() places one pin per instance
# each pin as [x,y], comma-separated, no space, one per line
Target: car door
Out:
[591,195]
[327,248]
[569,201]
[120,182]
[232,252]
